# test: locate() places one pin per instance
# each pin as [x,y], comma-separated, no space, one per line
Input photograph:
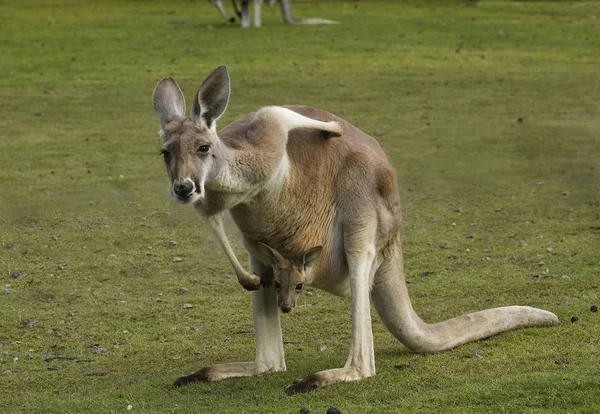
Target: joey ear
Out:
[311,255]
[271,255]
[168,100]
[212,98]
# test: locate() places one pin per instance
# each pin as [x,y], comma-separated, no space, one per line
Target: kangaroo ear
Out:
[311,255]
[168,100]
[271,255]
[212,98]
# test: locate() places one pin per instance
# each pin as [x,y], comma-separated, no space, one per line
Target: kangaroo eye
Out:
[166,155]
[203,148]
[277,285]
[299,287]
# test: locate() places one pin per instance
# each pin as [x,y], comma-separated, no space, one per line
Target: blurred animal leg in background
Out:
[219,5]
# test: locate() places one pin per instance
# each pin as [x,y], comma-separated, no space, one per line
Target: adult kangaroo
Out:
[244,13]
[295,177]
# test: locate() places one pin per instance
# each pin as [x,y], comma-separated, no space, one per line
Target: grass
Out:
[487,110]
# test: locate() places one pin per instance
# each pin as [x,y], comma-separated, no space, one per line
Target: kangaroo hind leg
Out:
[269,344]
[360,251]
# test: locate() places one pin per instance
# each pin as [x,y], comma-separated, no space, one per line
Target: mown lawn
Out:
[489,112]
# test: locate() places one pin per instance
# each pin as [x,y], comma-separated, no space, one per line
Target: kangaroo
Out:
[244,13]
[294,177]
[289,275]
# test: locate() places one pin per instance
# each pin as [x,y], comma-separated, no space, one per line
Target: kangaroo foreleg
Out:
[248,281]
[269,344]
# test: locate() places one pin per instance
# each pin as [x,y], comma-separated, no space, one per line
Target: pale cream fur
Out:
[290,182]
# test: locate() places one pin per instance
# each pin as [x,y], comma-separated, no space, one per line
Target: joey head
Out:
[289,275]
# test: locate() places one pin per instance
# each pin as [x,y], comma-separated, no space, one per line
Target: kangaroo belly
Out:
[338,285]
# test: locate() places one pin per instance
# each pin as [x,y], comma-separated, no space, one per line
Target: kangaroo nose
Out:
[183,188]
[286,308]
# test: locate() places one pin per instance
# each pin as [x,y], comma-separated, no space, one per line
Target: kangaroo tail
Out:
[390,297]
[286,12]
[314,20]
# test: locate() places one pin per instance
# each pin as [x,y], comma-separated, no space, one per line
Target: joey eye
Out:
[277,285]
[203,149]
[299,287]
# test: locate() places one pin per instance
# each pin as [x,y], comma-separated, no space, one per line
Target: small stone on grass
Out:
[574,319]
[28,322]
[95,373]
[98,349]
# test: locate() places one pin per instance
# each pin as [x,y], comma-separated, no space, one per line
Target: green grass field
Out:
[489,112]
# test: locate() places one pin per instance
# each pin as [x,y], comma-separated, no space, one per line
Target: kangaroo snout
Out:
[285,308]
[183,188]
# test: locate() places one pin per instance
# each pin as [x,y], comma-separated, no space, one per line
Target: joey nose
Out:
[183,188]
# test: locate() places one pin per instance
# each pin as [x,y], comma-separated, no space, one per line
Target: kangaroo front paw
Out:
[266,277]
[249,281]
[303,386]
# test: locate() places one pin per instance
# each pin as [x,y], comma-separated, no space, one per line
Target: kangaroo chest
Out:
[291,230]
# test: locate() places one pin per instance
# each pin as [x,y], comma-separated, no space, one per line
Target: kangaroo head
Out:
[289,275]
[192,150]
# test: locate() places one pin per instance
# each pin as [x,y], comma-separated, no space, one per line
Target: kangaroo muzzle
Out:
[286,307]
[182,189]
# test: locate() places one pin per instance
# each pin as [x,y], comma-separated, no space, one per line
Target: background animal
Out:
[243,13]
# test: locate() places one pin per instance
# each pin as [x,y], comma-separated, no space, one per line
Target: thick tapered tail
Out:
[390,298]
[286,12]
